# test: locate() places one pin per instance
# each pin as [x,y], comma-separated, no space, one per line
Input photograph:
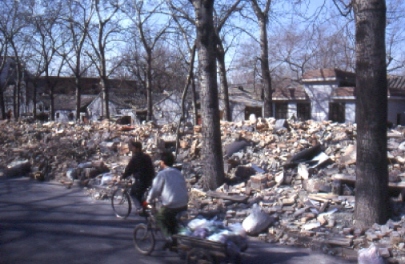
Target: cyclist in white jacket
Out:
[170,187]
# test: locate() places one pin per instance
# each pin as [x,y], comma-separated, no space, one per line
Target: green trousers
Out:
[167,220]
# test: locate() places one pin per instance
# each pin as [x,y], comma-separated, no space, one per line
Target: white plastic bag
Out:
[370,255]
[106,179]
[237,229]
[256,222]
[197,223]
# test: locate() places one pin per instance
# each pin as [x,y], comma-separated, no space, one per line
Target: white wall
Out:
[95,109]
[350,112]
[238,112]
[167,111]
[320,94]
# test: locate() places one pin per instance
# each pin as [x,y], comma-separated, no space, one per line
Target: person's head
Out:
[135,146]
[166,158]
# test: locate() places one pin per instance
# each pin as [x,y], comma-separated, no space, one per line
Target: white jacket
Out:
[170,185]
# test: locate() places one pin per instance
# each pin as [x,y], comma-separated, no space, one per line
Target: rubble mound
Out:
[300,174]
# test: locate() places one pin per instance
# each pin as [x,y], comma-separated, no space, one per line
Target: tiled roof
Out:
[239,95]
[68,102]
[328,75]
[289,90]
[396,85]
[343,92]
[130,100]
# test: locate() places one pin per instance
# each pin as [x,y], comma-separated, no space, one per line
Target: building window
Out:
[337,112]
[303,111]
[257,111]
[141,115]
[57,115]
[70,116]
[281,110]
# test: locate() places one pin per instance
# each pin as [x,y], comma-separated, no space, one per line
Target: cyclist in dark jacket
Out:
[141,167]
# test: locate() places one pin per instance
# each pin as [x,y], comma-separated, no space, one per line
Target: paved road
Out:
[47,223]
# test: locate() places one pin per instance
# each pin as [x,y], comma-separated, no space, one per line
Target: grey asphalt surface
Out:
[44,222]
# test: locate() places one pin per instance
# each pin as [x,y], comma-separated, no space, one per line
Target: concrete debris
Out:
[300,174]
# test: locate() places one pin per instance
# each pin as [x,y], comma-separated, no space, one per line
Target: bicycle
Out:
[144,235]
[121,199]
[192,249]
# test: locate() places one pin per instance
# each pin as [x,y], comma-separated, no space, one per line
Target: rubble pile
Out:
[301,175]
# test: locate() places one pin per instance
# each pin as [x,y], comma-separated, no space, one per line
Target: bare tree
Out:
[105,31]
[183,98]
[145,19]
[395,35]
[48,31]
[3,76]
[211,133]
[294,50]
[76,20]
[372,204]
[13,23]
[262,16]
[223,13]
[184,29]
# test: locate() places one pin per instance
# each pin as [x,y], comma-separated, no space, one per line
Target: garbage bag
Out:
[106,179]
[200,232]
[197,223]
[370,255]
[237,229]
[235,146]
[18,168]
[257,221]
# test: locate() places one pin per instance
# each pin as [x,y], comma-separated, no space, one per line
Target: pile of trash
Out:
[209,235]
[215,230]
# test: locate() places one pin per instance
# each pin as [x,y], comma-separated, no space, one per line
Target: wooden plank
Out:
[235,198]
[344,177]
[352,179]
[322,198]
[340,241]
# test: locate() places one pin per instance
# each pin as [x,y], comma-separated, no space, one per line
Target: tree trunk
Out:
[149,101]
[266,78]
[223,80]
[2,106]
[78,97]
[183,99]
[15,101]
[194,92]
[19,94]
[371,114]
[105,97]
[211,133]
[52,106]
[34,99]
[262,19]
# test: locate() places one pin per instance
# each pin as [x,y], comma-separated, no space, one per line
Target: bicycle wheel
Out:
[121,203]
[144,239]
